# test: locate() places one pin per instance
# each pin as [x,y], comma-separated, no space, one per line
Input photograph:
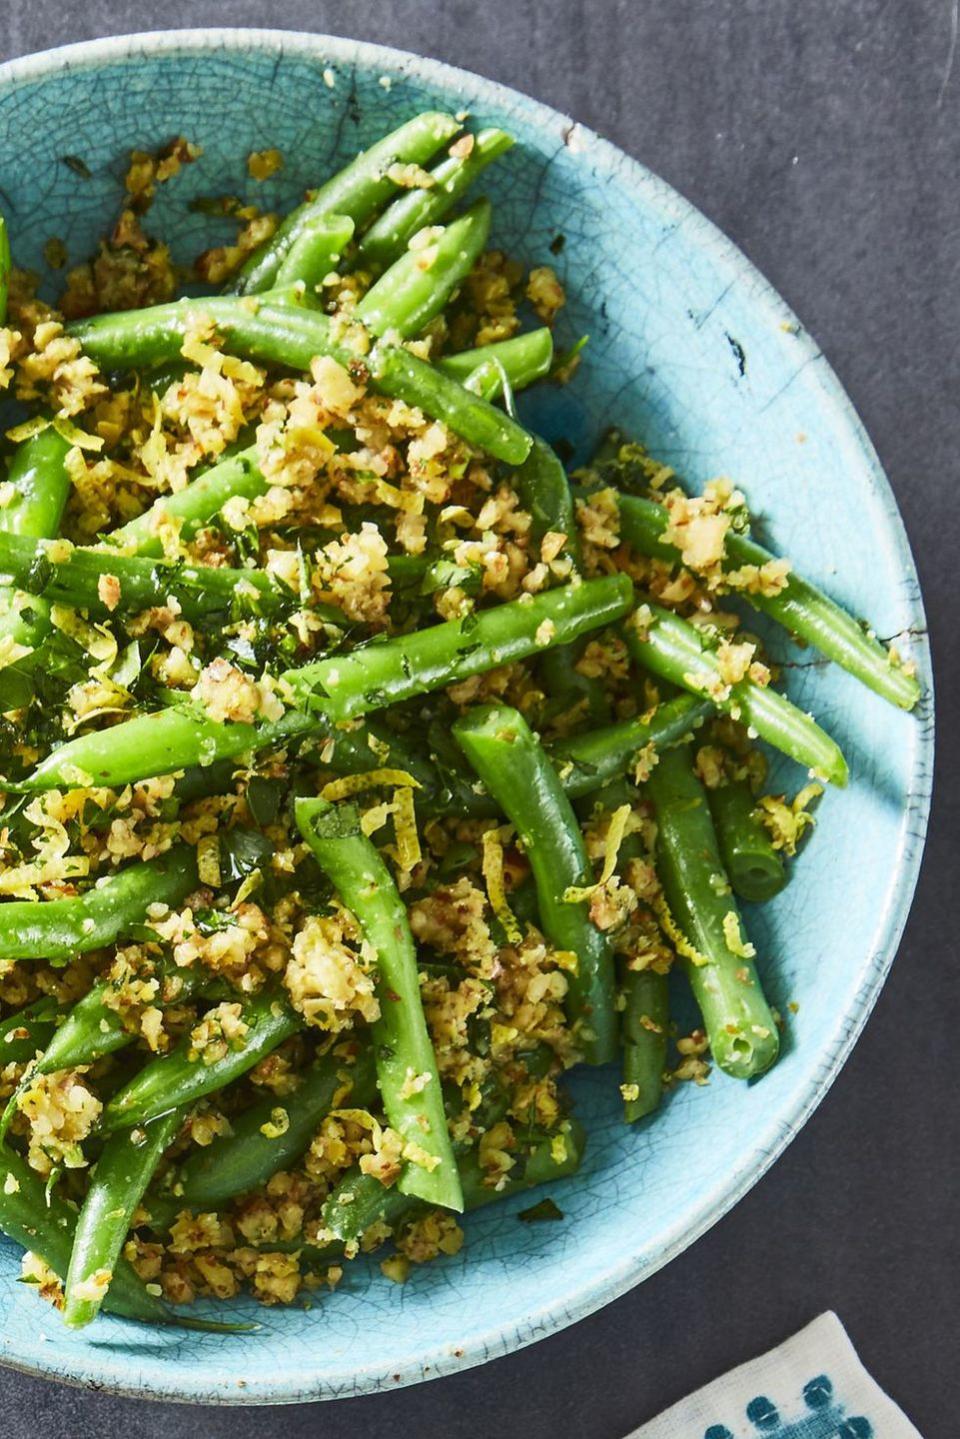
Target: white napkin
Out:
[811,1387]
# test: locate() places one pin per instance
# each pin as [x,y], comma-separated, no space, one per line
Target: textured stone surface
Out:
[860,235]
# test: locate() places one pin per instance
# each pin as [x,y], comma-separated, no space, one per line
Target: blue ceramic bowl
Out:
[691,350]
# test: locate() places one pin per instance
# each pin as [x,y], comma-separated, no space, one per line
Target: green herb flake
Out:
[78,166]
[544,1212]
[55,253]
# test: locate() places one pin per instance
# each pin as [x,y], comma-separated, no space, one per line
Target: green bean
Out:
[44,1223]
[94,1028]
[38,486]
[567,689]
[24,620]
[286,335]
[608,798]
[316,251]
[586,762]
[123,1171]
[418,285]
[361,1200]
[194,506]
[486,380]
[643,1034]
[357,192]
[541,482]
[523,359]
[158,743]
[800,607]
[183,739]
[380,674]
[544,491]
[172,739]
[670,647]
[17,685]
[719,963]
[260,1142]
[180,1078]
[72,576]
[390,234]
[158,381]
[136,339]
[541,1161]
[258,1145]
[513,765]
[23,1034]
[756,870]
[455,789]
[398,373]
[407,1074]
[339,688]
[59,929]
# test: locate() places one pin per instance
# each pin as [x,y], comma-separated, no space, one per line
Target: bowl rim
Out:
[590,1293]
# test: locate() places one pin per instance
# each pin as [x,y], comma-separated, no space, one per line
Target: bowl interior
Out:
[689,350]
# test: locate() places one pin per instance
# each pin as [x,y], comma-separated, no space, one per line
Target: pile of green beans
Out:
[376,711]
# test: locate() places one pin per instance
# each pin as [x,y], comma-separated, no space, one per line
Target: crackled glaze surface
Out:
[690,350]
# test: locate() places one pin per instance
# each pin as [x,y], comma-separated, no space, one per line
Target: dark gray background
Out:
[822,135]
